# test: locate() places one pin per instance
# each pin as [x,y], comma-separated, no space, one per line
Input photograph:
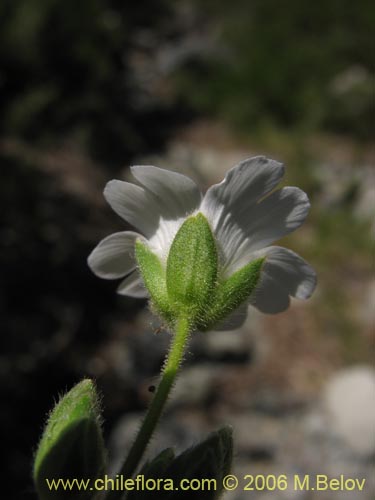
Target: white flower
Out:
[245,213]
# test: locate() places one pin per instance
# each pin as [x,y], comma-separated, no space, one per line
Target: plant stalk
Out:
[169,372]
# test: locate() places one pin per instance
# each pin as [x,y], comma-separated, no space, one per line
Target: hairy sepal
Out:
[192,268]
[231,293]
[154,278]
[188,286]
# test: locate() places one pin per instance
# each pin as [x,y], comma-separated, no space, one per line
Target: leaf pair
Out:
[71,456]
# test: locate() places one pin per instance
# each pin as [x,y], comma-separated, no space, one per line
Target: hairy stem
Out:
[155,409]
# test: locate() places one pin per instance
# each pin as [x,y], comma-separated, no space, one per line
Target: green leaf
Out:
[192,268]
[231,293]
[159,464]
[71,445]
[209,460]
[154,469]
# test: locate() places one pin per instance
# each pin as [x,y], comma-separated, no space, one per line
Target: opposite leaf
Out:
[72,444]
[153,469]
[209,460]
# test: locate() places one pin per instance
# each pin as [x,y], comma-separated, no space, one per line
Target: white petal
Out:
[275,216]
[278,214]
[176,194]
[114,257]
[242,187]
[245,217]
[133,286]
[234,320]
[283,274]
[229,205]
[133,204]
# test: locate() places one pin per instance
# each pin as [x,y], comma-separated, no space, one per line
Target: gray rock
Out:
[349,401]
[195,385]
[177,430]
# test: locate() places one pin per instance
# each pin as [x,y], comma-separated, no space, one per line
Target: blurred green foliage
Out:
[291,64]
[67,69]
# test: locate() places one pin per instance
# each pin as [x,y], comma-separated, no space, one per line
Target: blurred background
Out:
[89,87]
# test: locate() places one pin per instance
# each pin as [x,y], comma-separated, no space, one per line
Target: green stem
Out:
[155,409]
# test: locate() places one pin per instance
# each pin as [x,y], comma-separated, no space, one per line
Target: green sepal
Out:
[153,274]
[192,268]
[71,445]
[190,285]
[231,293]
